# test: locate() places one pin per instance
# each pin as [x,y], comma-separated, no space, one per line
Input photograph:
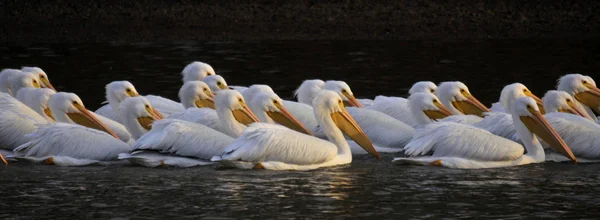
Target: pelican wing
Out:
[16,120]
[447,139]
[500,124]
[365,102]
[302,112]
[183,138]
[462,119]
[71,140]
[262,142]
[581,135]
[107,112]
[395,107]
[164,106]
[382,130]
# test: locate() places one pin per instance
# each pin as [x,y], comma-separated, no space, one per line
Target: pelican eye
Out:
[205,89]
[524,90]
[147,106]
[344,91]
[74,102]
[568,100]
[435,101]
[42,76]
[584,82]
[208,73]
[275,102]
[218,83]
[432,90]
[240,100]
[463,90]
[339,101]
[529,106]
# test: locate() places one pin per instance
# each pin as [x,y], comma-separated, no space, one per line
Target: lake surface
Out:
[365,189]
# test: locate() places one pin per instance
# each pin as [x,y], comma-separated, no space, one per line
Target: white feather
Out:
[16,120]
[580,134]
[165,106]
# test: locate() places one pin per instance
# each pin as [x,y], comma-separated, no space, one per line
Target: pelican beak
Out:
[146,122]
[346,123]
[244,115]
[205,103]
[223,86]
[284,118]
[156,114]
[3,160]
[591,98]
[87,119]
[538,101]
[132,94]
[46,83]
[573,110]
[470,106]
[440,113]
[351,100]
[48,113]
[538,125]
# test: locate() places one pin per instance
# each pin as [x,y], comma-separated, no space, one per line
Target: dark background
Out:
[168,20]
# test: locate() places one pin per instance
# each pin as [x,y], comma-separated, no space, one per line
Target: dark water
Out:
[366,188]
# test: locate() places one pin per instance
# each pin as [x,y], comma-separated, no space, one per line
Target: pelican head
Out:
[23,80]
[117,91]
[251,91]
[426,107]
[308,89]
[343,90]
[329,109]
[215,82]
[526,111]
[561,101]
[196,71]
[423,86]
[269,108]
[582,88]
[513,91]
[68,108]
[196,94]
[37,99]
[231,102]
[138,115]
[6,76]
[457,98]
[44,80]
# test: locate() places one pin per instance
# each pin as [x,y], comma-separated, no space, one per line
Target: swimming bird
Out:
[176,139]
[16,120]
[269,108]
[465,107]
[426,108]
[581,134]
[267,146]
[116,92]
[11,80]
[215,83]
[397,107]
[583,89]
[37,99]
[461,146]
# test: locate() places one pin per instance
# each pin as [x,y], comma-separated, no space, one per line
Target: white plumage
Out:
[276,147]
[37,99]
[196,71]
[72,141]
[583,89]
[16,120]
[397,107]
[582,135]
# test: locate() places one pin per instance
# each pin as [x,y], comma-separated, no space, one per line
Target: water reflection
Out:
[365,189]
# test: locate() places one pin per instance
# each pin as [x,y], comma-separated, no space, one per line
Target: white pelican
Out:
[387,134]
[580,133]
[68,108]
[16,120]
[70,145]
[196,71]
[457,98]
[137,115]
[116,92]
[275,147]
[501,123]
[583,89]
[188,139]
[37,99]
[44,80]
[509,93]
[397,107]
[308,89]
[462,146]
[196,94]
[426,108]
[231,115]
